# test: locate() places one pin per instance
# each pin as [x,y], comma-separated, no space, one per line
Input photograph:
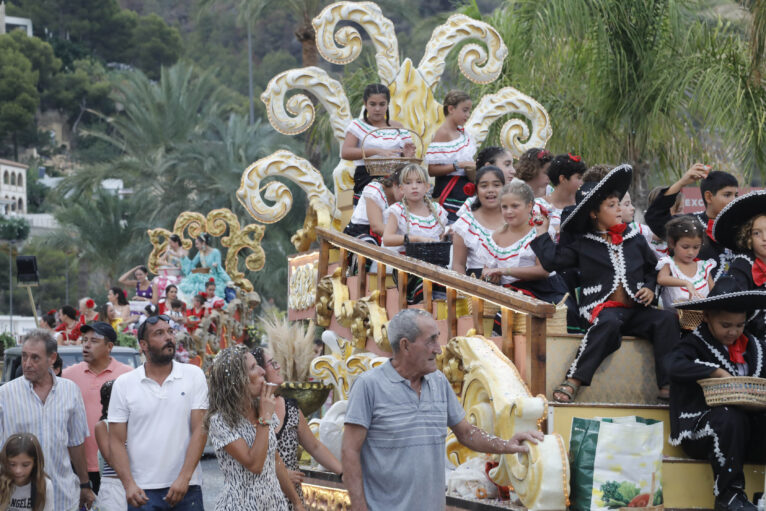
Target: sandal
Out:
[562,389]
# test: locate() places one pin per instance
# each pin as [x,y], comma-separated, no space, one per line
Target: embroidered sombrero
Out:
[591,194]
[735,215]
[727,295]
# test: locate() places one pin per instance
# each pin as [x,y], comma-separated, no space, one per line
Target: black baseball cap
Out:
[105,330]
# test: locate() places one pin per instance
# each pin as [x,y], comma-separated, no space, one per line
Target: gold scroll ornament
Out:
[498,401]
[216,223]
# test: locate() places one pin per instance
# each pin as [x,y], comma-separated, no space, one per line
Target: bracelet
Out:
[87,485]
[454,166]
[262,422]
[406,239]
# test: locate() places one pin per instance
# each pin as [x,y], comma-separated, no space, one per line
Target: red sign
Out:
[693,198]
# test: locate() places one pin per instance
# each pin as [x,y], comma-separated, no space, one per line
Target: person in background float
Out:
[474,228]
[368,221]
[119,299]
[146,291]
[171,293]
[451,153]
[68,331]
[213,300]
[295,429]
[497,157]
[48,321]
[195,313]
[384,143]
[565,174]
[109,315]
[87,310]
[205,265]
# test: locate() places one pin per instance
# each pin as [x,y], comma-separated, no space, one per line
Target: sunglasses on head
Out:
[151,320]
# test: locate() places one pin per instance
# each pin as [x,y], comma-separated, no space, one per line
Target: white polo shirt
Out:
[158,421]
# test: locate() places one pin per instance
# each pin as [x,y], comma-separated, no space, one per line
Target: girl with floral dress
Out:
[451,153]
[390,140]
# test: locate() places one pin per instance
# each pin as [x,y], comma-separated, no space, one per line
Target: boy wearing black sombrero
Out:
[741,227]
[617,276]
[727,436]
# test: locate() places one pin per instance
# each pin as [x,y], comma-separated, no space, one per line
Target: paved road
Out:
[212,481]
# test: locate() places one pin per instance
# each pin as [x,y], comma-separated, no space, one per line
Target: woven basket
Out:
[689,319]
[389,164]
[436,252]
[744,391]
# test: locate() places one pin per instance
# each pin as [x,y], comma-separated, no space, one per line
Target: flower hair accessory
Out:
[469,189]
[52,312]
[542,154]
[574,157]
[211,279]
[89,303]
[203,295]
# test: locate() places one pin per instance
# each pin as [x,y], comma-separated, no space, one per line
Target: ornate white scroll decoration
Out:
[286,165]
[349,40]
[296,114]
[515,134]
[476,63]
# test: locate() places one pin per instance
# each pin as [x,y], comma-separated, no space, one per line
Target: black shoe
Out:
[734,501]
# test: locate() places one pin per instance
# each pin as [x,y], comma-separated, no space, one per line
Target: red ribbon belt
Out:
[448,189]
[609,304]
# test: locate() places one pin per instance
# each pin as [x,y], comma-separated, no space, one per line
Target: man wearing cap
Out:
[97,367]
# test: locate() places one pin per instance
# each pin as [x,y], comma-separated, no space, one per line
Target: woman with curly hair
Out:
[242,426]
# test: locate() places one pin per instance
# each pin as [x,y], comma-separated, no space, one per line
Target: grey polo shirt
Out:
[404,452]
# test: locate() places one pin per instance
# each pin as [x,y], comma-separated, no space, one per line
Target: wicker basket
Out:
[389,164]
[744,391]
[437,252]
[689,319]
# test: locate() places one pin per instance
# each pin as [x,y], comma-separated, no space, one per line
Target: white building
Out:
[12,22]
[13,187]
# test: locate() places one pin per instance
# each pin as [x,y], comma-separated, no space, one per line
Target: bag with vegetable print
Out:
[616,463]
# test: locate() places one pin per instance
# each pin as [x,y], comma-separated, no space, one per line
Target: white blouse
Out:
[375,192]
[672,294]
[459,149]
[385,138]
[517,255]
[414,225]
[474,235]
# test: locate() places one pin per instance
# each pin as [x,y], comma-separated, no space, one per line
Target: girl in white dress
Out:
[475,226]
[498,157]
[565,174]
[451,153]
[391,141]
[415,219]
[368,221]
[682,276]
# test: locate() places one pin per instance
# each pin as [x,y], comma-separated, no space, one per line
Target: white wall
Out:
[21,324]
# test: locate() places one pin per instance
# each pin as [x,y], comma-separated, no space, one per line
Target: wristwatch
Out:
[262,422]
[88,485]
[406,239]
[454,166]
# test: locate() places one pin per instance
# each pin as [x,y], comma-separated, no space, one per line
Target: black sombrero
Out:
[589,194]
[727,295]
[735,214]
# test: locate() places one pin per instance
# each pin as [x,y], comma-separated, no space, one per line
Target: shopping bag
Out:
[616,463]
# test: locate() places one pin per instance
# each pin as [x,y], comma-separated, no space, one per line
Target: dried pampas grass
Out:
[291,344]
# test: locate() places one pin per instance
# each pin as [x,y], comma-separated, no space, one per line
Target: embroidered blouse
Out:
[673,294]
[456,150]
[517,255]
[414,225]
[474,235]
[375,192]
[385,138]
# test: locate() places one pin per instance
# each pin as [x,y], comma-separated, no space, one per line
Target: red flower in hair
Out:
[203,295]
[574,157]
[469,189]
[52,312]
[542,154]
[211,279]
[89,303]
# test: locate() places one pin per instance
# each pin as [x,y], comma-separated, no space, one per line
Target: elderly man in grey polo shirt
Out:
[396,425]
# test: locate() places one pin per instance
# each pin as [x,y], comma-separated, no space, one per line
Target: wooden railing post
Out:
[324,258]
[535,354]
[506,325]
[428,295]
[343,265]
[402,279]
[381,284]
[361,262]
[451,313]
[477,313]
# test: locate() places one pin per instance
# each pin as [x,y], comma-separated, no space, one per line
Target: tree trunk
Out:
[307,37]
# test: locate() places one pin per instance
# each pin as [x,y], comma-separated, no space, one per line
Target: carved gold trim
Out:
[324,498]
[378,27]
[216,224]
[474,61]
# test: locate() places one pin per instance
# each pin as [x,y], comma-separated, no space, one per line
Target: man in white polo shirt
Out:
[156,430]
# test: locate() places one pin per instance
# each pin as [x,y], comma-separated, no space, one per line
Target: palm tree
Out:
[644,82]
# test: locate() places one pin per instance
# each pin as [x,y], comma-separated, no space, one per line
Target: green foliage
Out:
[7,340]
[616,495]
[18,90]
[36,192]
[658,498]
[13,228]
[126,340]
[153,44]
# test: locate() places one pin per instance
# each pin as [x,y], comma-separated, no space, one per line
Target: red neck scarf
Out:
[709,230]
[737,349]
[759,272]
[615,233]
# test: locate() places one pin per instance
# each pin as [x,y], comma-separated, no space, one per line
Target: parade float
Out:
[501,381]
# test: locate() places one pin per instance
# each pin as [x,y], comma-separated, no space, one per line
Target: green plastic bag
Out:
[615,463]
